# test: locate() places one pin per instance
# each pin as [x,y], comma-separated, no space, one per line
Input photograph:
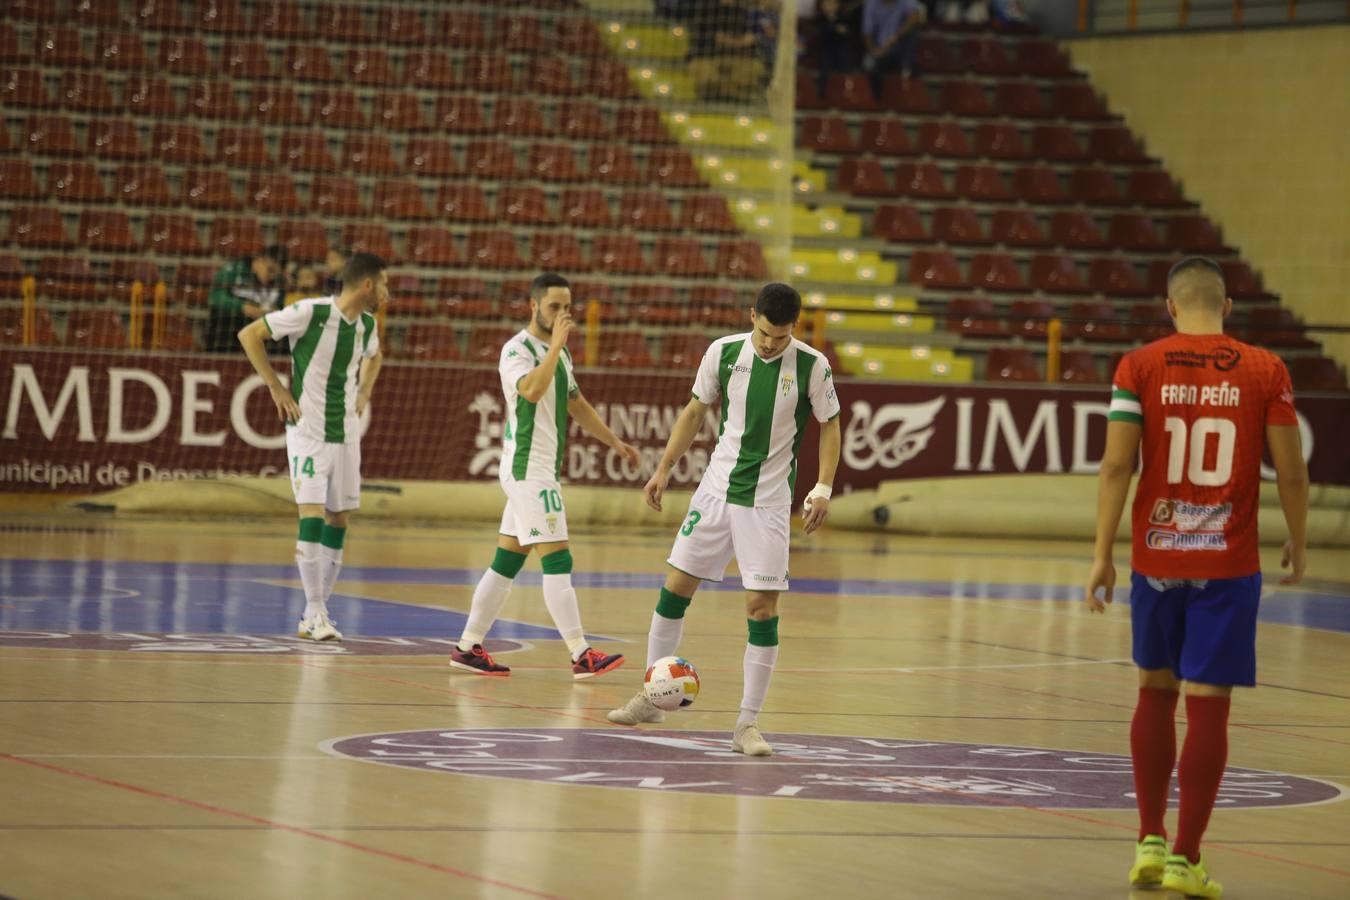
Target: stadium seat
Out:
[243,148]
[106,232]
[459,114]
[430,70]
[9,44]
[1030,318]
[1077,100]
[401,25]
[1017,228]
[1094,186]
[618,254]
[49,136]
[524,205]
[432,246]
[95,329]
[114,139]
[335,196]
[307,62]
[1115,144]
[184,55]
[974,317]
[1079,367]
[966,99]
[1149,321]
[550,75]
[1195,234]
[150,97]
[558,252]
[885,137]
[851,92]
[58,47]
[999,140]
[1010,364]
[337,108]
[1274,326]
[37,227]
[467,298]
[236,238]
[67,278]
[75,182]
[908,96]
[246,59]
[208,189]
[996,272]
[430,342]
[644,210]
[303,240]
[552,162]
[486,341]
[612,164]
[275,104]
[937,270]
[578,37]
[863,177]
[176,334]
[160,15]
[369,237]
[463,30]
[706,212]
[213,100]
[580,120]
[1316,373]
[900,223]
[518,117]
[1040,186]
[624,349]
[922,180]
[272,193]
[220,17]
[23,88]
[192,283]
[608,79]
[1133,231]
[17,181]
[118,51]
[1042,59]
[808,91]
[1076,230]
[430,157]
[369,154]
[944,139]
[399,112]
[306,151]
[641,125]
[1115,277]
[367,66]
[460,201]
[982,184]
[585,208]
[493,250]
[682,350]
[11,327]
[344,22]
[1094,320]
[681,257]
[1021,100]
[827,134]
[1242,283]
[672,168]
[958,225]
[488,73]
[1056,273]
[937,55]
[280,19]
[519,34]
[85,92]
[1154,188]
[1059,143]
[142,185]
[400,200]
[986,56]
[490,159]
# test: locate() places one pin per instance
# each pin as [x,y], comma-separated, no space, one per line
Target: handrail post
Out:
[137,314]
[28,290]
[592,351]
[818,330]
[1054,335]
[158,313]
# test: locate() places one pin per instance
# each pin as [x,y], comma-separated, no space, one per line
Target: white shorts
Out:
[534,512]
[715,530]
[324,473]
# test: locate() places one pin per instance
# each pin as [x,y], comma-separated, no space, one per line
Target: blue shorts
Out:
[1204,631]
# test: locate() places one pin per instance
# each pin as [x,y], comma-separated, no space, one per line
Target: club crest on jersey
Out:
[785,383]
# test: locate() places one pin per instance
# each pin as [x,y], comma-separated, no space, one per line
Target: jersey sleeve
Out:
[289,322]
[707,386]
[1280,396]
[372,344]
[824,399]
[516,363]
[573,390]
[1125,392]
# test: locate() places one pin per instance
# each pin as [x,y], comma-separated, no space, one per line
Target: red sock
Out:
[1203,757]
[1153,748]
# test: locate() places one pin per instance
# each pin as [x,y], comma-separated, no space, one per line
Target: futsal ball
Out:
[671,683]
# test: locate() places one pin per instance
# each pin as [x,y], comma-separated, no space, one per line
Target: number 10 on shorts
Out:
[552,501]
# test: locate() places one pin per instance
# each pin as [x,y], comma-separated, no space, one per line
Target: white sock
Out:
[758,665]
[488,599]
[311,564]
[664,638]
[332,565]
[561,601]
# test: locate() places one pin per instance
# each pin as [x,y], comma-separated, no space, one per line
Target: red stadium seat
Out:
[184,56]
[400,200]
[681,257]
[907,95]
[343,22]
[550,75]
[244,148]
[885,137]
[966,99]
[974,317]
[369,154]
[120,51]
[1076,230]
[682,350]
[75,182]
[641,125]
[92,13]
[1056,274]
[983,184]
[150,97]
[1094,320]
[1096,187]
[850,91]
[335,196]
[337,108]
[1042,59]
[1155,189]
[863,177]
[1115,144]
[401,25]
[519,116]
[1274,326]
[114,139]
[430,70]
[303,239]
[986,56]
[462,29]
[280,19]
[608,79]
[307,62]
[706,212]
[1031,318]
[624,349]
[519,33]
[58,47]
[490,159]
[220,17]
[900,223]
[486,341]
[936,269]
[944,139]
[996,272]
[399,112]
[524,205]
[369,237]
[826,134]
[1021,100]
[141,186]
[937,55]
[236,238]
[430,342]
[176,334]
[172,234]
[306,151]
[645,211]
[585,208]
[430,157]
[958,225]
[1195,234]
[367,66]
[49,136]
[922,180]
[95,329]
[1150,321]
[462,202]
[493,250]
[431,246]
[459,114]
[552,162]
[85,92]
[272,193]
[557,253]
[581,120]
[66,278]
[489,73]
[11,327]
[1001,141]
[275,105]
[1316,373]
[1242,282]
[1133,231]
[107,232]
[1058,143]
[208,189]
[17,181]
[618,254]
[808,94]
[1115,277]
[612,164]
[578,37]
[213,100]
[1017,228]
[1040,186]
[1079,367]
[1077,100]
[1010,364]
[23,87]
[672,168]
[9,44]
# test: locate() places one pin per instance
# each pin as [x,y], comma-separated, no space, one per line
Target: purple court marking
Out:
[140,642]
[804,766]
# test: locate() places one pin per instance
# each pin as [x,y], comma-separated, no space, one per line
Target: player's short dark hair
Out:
[779,303]
[362,266]
[276,253]
[1196,264]
[541,283]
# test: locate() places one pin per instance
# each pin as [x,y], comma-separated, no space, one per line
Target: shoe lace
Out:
[483,654]
[591,658]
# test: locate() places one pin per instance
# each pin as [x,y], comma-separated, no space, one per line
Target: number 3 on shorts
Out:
[694,516]
[297,469]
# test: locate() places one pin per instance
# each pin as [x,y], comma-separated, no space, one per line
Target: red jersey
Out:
[1204,402]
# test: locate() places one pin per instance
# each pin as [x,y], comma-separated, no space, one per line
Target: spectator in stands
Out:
[763,16]
[890,36]
[722,57]
[837,38]
[304,284]
[333,265]
[242,291]
[972,12]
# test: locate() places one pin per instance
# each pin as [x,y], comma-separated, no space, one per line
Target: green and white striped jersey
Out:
[535,440]
[764,408]
[326,354]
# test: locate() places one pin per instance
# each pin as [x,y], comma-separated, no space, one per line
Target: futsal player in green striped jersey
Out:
[541,392]
[765,386]
[335,359]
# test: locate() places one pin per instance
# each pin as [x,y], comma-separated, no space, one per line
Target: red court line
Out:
[280,826]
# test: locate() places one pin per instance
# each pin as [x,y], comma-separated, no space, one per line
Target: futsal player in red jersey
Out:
[1204,405]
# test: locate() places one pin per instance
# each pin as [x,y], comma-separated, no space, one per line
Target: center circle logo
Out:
[804,767]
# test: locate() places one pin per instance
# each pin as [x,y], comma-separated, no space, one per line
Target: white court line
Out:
[1076,662]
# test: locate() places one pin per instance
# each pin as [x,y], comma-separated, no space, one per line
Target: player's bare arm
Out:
[251,336]
[370,370]
[1113,485]
[534,384]
[1291,478]
[580,409]
[816,507]
[681,438]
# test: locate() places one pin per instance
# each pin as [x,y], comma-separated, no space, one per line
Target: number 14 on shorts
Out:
[298,468]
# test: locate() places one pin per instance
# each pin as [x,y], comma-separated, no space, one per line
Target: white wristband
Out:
[821,491]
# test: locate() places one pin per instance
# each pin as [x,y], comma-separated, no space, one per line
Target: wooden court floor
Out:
[949,722]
